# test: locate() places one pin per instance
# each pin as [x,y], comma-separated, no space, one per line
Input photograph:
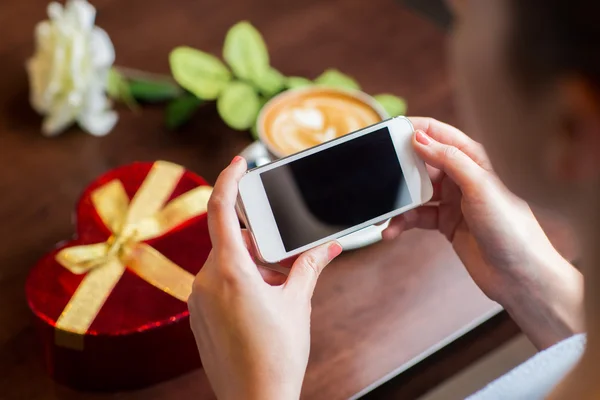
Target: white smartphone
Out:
[332,190]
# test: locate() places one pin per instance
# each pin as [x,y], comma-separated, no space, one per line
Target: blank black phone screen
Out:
[335,189]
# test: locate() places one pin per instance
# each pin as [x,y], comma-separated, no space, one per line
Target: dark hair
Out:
[553,38]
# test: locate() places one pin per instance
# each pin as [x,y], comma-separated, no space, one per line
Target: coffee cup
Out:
[298,119]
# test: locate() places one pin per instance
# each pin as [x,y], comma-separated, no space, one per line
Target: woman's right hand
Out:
[494,233]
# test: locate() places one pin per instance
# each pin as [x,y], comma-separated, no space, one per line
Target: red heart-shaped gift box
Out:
[139,333]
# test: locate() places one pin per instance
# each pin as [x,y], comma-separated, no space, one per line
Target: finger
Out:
[437,191]
[434,174]
[457,165]
[394,229]
[223,223]
[273,274]
[425,217]
[272,277]
[249,243]
[307,268]
[288,262]
[449,135]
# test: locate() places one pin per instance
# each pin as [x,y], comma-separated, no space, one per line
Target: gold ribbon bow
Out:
[146,217]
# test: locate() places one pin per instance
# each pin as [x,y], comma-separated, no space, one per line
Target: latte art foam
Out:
[298,121]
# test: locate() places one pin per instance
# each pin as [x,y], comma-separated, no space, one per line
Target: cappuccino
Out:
[299,119]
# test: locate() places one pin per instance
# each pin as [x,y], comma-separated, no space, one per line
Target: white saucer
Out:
[256,155]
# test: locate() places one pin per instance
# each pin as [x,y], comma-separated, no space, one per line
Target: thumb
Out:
[461,168]
[307,268]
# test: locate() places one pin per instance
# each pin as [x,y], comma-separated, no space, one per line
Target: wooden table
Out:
[376,311]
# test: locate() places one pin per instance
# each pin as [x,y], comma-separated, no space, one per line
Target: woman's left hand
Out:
[252,325]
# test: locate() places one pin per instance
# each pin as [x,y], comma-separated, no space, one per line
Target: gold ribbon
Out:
[146,217]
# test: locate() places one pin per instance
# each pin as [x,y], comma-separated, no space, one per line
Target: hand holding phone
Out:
[243,316]
[333,189]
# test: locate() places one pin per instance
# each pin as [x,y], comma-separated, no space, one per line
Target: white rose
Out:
[69,70]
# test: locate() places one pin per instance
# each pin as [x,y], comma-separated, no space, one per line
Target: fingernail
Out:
[236,159]
[422,138]
[334,250]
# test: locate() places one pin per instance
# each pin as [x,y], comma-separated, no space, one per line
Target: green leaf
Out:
[294,82]
[246,52]
[238,105]
[270,82]
[154,91]
[118,88]
[114,82]
[393,105]
[334,78]
[254,131]
[262,101]
[254,128]
[198,72]
[180,110]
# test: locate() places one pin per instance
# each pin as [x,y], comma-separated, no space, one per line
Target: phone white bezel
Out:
[257,213]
